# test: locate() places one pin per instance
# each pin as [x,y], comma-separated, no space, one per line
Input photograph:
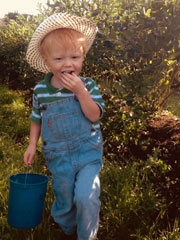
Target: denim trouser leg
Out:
[63,209]
[63,178]
[87,192]
[76,194]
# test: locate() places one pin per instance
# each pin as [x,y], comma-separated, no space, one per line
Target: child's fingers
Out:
[28,159]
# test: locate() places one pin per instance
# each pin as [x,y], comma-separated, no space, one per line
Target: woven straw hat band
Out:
[56,21]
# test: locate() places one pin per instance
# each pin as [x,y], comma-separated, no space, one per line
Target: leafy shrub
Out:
[15,36]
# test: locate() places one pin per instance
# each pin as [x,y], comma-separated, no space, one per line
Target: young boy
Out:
[66,112]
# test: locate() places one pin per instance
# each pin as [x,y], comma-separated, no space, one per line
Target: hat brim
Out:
[56,21]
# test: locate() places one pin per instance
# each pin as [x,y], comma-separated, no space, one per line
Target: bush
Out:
[15,36]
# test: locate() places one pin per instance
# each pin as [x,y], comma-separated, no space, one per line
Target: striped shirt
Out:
[44,92]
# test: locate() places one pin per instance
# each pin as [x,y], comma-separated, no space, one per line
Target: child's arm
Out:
[90,109]
[34,137]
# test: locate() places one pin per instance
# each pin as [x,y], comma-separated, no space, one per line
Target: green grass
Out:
[131,205]
[173,104]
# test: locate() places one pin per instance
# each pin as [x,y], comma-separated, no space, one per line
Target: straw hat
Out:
[55,21]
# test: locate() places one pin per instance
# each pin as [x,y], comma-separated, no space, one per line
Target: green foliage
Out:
[140,66]
[173,105]
[13,114]
[14,39]
[123,125]
[130,201]
[172,233]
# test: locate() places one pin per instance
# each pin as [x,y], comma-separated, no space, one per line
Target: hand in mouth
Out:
[70,72]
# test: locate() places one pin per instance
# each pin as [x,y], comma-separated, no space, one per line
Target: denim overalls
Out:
[73,152]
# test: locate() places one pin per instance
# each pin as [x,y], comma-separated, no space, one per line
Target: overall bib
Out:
[73,152]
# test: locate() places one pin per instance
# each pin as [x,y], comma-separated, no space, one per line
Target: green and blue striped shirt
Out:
[44,92]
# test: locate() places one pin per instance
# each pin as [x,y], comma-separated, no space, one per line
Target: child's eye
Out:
[74,57]
[58,59]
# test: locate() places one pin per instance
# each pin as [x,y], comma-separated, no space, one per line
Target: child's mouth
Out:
[70,72]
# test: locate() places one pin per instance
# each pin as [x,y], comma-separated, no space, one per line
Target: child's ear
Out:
[44,59]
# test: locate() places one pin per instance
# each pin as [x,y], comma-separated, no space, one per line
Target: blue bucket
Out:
[26,199]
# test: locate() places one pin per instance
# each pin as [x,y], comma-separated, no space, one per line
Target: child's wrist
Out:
[32,144]
[82,93]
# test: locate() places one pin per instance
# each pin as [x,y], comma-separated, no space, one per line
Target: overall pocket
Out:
[96,139]
[60,126]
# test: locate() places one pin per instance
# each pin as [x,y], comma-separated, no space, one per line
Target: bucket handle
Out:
[27,171]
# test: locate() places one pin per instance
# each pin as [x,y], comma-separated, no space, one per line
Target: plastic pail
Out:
[26,199]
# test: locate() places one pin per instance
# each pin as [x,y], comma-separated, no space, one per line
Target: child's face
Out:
[61,60]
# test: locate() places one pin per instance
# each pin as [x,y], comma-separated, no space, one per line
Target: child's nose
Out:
[68,62]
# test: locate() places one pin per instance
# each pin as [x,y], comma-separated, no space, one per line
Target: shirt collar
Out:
[50,88]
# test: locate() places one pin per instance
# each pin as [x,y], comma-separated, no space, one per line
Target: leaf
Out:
[123,116]
[167,82]
[148,12]
[170,62]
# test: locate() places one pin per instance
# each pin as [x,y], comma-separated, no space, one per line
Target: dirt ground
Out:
[164,133]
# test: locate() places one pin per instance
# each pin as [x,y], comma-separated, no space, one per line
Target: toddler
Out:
[66,113]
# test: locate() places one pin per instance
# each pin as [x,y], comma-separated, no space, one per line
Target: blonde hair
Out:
[64,37]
